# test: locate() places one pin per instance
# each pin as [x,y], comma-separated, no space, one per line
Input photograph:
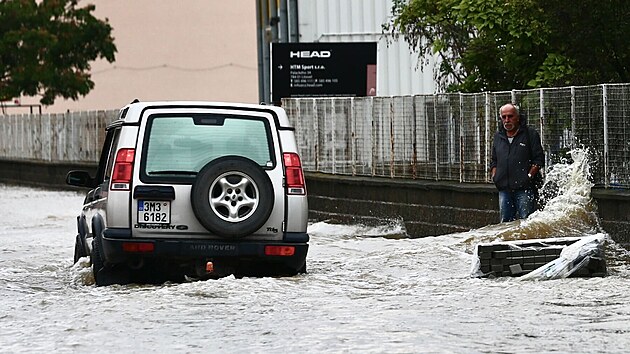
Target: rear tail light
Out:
[279,251]
[293,171]
[123,169]
[138,247]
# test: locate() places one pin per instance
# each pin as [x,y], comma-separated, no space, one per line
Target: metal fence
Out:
[448,137]
[54,138]
[443,137]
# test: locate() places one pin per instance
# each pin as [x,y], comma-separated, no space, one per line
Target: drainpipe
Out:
[605,107]
[267,32]
[294,32]
[284,23]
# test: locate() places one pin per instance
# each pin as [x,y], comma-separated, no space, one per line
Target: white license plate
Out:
[154,212]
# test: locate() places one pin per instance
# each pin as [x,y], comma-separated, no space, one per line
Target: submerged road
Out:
[368,289]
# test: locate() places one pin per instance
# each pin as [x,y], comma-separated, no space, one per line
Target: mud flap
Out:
[108,276]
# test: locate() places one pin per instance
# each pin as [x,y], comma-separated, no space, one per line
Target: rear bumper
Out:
[116,241]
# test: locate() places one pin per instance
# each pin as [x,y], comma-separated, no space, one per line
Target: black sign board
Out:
[323,69]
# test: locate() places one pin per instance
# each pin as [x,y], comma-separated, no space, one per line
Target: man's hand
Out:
[533,170]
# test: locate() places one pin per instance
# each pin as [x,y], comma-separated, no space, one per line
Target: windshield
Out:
[183,145]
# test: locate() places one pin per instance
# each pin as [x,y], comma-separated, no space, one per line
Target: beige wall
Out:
[171,50]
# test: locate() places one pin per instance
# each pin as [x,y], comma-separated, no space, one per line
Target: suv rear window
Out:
[178,146]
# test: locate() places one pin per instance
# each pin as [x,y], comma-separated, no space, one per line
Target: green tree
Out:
[46,48]
[589,39]
[515,44]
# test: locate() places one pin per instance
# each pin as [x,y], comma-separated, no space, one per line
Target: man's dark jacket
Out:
[513,160]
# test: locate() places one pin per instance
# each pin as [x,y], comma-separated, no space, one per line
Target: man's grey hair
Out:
[516,108]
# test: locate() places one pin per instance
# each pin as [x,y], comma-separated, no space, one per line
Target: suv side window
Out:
[105,155]
[104,170]
[111,157]
[180,146]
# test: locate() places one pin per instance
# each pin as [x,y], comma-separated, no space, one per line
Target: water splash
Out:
[569,210]
[81,272]
[393,229]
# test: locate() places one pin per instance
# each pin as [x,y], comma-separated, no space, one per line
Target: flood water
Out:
[368,289]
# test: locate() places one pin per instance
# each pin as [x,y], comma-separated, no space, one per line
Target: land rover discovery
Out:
[194,189]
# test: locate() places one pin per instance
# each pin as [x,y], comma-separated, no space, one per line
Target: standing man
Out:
[517,156]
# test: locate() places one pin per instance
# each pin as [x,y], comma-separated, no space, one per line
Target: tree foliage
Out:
[516,44]
[46,47]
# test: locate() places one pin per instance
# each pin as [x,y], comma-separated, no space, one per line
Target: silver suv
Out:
[194,189]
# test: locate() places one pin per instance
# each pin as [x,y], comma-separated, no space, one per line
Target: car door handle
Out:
[154,192]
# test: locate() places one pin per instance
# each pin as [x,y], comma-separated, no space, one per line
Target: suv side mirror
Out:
[80,179]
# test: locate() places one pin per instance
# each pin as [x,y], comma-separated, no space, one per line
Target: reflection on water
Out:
[369,289]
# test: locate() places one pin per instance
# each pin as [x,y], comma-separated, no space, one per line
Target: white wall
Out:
[398,70]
